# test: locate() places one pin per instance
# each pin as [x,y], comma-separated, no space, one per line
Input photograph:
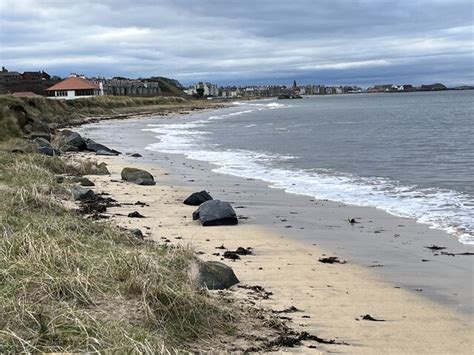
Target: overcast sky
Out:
[244,42]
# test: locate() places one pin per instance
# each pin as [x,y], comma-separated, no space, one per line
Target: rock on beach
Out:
[215,213]
[215,275]
[137,176]
[197,198]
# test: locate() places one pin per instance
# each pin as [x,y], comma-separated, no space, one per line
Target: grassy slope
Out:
[72,284]
[16,113]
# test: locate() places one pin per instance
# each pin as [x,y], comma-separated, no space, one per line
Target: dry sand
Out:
[332,297]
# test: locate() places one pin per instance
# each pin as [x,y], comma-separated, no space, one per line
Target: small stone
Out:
[102,169]
[135,214]
[137,233]
[83,181]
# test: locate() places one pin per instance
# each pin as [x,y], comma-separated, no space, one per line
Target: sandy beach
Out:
[331,299]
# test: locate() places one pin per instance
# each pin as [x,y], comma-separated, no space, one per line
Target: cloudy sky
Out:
[244,42]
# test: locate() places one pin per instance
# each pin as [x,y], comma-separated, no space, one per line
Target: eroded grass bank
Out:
[19,115]
[73,284]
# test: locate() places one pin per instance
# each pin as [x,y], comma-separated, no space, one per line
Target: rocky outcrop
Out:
[197,198]
[137,176]
[215,213]
[72,141]
[215,275]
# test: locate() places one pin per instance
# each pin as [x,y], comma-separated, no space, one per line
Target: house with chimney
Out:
[75,87]
[6,75]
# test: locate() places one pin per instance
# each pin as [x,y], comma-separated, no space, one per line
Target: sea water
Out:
[410,154]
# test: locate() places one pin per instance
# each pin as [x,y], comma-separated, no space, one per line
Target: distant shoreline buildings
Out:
[34,83]
[265,91]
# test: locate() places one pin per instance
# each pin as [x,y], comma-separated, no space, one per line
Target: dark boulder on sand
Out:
[215,275]
[197,198]
[215,213]
[138,176]
[99,149]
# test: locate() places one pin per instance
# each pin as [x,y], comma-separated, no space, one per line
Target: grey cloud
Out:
[337,41]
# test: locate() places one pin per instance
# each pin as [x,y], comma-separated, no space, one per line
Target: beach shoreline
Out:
[331,298]
[394,248]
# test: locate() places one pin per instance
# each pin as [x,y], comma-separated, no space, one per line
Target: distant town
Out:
[40,83]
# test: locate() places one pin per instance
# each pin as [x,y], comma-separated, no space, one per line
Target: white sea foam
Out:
[440,208]
[269,106]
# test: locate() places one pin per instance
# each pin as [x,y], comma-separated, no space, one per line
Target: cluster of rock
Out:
[211,212]
[213,275]
[68,141]
[74,142]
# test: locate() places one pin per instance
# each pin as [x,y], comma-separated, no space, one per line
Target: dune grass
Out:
[70,284]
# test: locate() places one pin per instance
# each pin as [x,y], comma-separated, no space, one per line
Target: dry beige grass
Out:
[69,284]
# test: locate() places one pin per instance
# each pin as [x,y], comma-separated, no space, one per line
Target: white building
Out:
[207,89]
[74,87]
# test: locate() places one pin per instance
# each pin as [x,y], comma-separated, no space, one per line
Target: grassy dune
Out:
[72,284]
[17,113]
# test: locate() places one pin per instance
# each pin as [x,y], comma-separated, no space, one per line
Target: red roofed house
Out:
[74,87]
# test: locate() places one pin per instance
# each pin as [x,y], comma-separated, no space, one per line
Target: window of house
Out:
[84,92]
